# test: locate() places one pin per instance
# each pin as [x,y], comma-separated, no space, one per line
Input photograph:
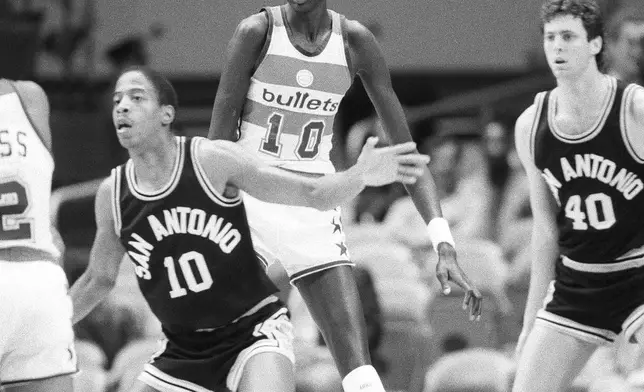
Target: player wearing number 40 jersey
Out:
[36,338]
[582,145]
[287,70]
[175,209]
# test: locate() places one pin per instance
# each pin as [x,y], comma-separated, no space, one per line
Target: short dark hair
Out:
[586,10]
[164,89]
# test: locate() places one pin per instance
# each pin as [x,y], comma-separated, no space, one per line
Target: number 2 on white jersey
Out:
[188,274]
[14,203]
[599,211]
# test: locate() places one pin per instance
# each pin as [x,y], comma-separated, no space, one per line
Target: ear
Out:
[168,114]
[596,45]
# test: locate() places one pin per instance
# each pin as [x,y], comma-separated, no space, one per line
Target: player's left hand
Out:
[385,165]
[447,270]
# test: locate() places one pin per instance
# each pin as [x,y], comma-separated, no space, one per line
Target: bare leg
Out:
[268,372]
[550,360]
[58,384]
[334,302]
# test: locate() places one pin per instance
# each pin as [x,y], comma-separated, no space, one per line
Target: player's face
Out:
[627,52]
[305,5]
[566,45]
[136,113]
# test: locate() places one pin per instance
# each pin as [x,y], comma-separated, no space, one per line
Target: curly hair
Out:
[586,10]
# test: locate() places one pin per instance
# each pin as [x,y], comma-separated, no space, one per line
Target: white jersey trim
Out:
[271,344]
[166,189]
[539,100]
[281,44]
[634,322]
[577,330]
[166,383]
[594,130]
[631,259]
[116,200]
[629,134]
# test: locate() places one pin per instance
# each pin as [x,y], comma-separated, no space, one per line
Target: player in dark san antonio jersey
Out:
[582,145]
[175,209]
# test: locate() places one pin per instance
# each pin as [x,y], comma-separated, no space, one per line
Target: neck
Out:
[153,165]
[583,87]
[309,23]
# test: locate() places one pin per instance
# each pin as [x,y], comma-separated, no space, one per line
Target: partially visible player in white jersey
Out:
[288,68]
[36,337]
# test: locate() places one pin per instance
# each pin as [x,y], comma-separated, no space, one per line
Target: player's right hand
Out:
[384,165]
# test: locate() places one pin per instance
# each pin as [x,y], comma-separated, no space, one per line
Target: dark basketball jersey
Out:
[191,246]
[596,179]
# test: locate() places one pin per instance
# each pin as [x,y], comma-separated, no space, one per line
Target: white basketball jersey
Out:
[293,98]
[26,169]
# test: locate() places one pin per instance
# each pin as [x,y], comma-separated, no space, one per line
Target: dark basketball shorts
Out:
[213,360]
[594,306]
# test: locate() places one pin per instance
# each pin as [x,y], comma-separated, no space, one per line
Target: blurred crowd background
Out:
[463,70]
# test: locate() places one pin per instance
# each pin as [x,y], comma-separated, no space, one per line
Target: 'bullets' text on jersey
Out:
[293,98]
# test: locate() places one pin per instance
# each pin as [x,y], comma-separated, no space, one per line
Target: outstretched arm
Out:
[369,63]
[104,261]
[227,163]
[241,55]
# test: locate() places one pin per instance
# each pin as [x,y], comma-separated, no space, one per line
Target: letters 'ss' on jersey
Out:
[293,98]
[596,178]
[26,170]
[191,246]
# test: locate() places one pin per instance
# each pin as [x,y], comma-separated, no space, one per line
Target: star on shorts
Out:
[343,248]
[336,226]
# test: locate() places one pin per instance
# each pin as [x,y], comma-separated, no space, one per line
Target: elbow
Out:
[102,283]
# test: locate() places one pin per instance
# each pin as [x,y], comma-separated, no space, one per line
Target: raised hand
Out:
[384,165]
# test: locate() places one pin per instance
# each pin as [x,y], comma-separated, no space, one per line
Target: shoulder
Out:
[217,149]
[31,93]
[357,33]
[221,157]
[633,122]
[104,196]
[254,26]
[638,102]
[522,131]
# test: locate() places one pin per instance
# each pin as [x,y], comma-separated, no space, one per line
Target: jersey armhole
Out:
[629,133]
[345,44]
[539,101]
[205,183]
[31,121]
[267,39]
[116,199]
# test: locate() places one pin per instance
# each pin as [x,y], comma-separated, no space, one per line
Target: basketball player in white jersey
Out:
[36,337]
[287,70]
[582,146]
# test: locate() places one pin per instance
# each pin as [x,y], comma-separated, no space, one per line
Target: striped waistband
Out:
[268,300]
[631,259]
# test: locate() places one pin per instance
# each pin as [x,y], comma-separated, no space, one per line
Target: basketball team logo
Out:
[304,78]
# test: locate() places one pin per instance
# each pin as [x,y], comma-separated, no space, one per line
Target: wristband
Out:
[438,230]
